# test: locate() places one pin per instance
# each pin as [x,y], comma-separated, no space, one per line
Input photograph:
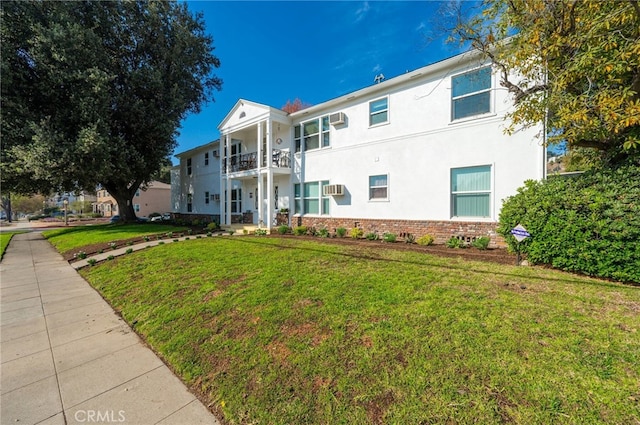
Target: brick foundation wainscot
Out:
[442,231]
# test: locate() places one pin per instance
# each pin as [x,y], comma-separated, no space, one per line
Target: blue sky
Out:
[271,52]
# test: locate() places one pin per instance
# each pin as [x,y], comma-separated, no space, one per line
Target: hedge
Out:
[589,223]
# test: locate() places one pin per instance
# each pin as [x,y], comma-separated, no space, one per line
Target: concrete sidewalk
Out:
[67,358]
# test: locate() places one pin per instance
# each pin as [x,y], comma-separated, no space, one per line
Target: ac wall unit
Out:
[337,118]
[333,190]
[215,197]
[216,153]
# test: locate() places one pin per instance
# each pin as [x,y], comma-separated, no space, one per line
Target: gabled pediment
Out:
[243,112]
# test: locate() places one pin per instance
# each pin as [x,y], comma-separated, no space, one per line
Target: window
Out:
[189,202]
[471,93]
[471,191]
[236,201]
[378,187]
[206,198]
[308,198]
[206,158]
[188,166]
[138,192]
[315,134]
[297,138]
[379,111]
[136,207]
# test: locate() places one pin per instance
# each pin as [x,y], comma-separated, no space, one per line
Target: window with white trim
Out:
[471,93]
[471,191]
[379,187]
[308,198]
[379,111]
[206,158]
[189,202]
[136,207]
[312,134]
[206,198]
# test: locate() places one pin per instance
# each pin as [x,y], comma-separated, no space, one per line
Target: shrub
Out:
[283,230]
[209,234]
[111,257]
[588,224]
[341,232]
[300,230]
[212,226]
[425,240]
[81,255]
[130,243]
[372,236]
[146,238]
[389,237]
[260,232]
[323,233]
[129,250]
[454,242]
[357,233]
[189,231]
[161,243]
[91,261]
[196,222]
[481,243]
[410,238]
[113,245]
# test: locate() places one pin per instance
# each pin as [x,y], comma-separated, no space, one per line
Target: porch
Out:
[280,159]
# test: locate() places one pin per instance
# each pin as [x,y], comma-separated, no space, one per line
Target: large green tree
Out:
[93,93]
[576,65]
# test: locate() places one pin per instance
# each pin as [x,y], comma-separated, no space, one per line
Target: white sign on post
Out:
[520,233]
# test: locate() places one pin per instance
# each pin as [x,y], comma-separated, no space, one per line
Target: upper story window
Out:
[379,111]
[471,191]
[379,187]
[206,158]
[471,93]
[189,166]
[315,134]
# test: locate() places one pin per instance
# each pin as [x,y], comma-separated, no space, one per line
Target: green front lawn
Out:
[70,238]
[291,331]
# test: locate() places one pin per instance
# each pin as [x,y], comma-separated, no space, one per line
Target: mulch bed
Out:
[495,255]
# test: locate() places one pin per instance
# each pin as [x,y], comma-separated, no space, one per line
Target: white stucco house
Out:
[424,152]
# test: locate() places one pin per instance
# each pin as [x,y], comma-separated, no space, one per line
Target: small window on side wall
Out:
[379,111]
[379,187]
[471,93]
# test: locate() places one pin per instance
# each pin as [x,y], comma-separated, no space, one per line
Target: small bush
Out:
[209,234]
[161,243]
[212,226]
[454,242]
[196,222]
[260,232]
[129,250]
[372,236]
[81,255]
[100,251]
[147,238]
[357,233]
[130,243]
[410,238]
[111,257]
[176,240]
[323,233]
[341,232]
[389,237]
[283,230]
[300,230]
[425,240]
[91,261]
[113,245]
[481,243]
[189,231]
[199,237]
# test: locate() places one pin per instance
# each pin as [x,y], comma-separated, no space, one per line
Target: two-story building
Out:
[424,152]
[153,198]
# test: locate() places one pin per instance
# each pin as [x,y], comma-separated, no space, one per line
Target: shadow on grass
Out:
[578,279]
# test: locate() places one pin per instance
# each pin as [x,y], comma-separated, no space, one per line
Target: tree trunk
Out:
[123,197]
[6,205]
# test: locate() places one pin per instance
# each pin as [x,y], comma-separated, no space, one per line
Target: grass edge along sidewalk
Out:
[290,331]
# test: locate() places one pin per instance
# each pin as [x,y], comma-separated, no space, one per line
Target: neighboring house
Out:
[72,198]
[424,152]
[155,198]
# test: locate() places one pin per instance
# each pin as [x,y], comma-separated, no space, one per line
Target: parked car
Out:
[114,219]
[163,217]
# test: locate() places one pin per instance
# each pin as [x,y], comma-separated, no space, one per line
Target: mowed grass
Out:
[75,237]
[286,331]
[5,238]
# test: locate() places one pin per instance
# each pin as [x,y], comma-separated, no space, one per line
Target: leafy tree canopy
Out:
[578,67]
[94,92]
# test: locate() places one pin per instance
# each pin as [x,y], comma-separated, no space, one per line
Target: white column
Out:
[269,215]
[260,177]
[228,185]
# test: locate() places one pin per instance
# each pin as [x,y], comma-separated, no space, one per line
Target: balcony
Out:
[249,161]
